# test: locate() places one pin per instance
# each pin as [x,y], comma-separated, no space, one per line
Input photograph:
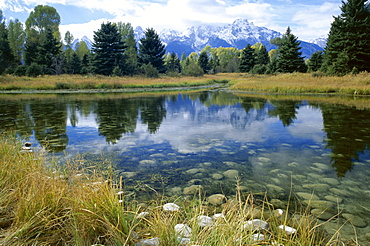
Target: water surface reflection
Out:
[178,142]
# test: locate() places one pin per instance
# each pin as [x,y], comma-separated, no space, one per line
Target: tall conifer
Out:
[151,50]
[289,57]
[108,48]
[348,45]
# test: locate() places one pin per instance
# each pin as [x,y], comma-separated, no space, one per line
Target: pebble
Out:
[172,207]
[149,242]
[256,225]
[183,230]
[287,229]
[204,221]
[258,237]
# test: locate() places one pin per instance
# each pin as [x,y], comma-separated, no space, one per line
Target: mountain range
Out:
[237,35]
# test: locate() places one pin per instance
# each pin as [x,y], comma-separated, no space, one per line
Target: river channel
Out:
[315,149]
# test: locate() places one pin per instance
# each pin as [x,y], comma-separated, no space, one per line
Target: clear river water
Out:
[173,143]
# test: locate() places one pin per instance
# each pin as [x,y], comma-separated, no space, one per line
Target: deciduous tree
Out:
[16,37]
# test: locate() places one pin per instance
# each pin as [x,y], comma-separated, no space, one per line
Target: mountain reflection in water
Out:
[182,119]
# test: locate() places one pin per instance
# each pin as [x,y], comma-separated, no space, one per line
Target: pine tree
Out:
[315,62]
[348,45]
[49,50]
[151,50]
[108,48]
[203,61]
[262,56]
[289,57]
[247,60]
[6,56]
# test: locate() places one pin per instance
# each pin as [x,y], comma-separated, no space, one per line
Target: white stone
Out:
[183,230]
[183,240]
[149,242]
[287,229]
[204,221]
[256,224]
[172,207]
[258,237]
[218,216]
[142,215]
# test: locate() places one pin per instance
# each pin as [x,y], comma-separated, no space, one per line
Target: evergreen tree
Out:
[76,64]
[262,56]
[173,63]
[289,57]
[348,45]
[203,61]
[247,60]
[108,48]
[48,53]
[315,62]
[151,50]
[6,56]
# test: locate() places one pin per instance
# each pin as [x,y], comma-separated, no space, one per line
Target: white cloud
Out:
[315,21]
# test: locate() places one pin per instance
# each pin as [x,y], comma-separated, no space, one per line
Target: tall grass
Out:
[304,83]
[88,82]
[84,203]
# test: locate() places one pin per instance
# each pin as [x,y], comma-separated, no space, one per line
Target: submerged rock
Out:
[217,199]
[322,214]
[231,174]
[191,190]
[217,176]
[355,220]
[307,196]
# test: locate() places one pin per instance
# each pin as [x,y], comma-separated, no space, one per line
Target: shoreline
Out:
[285,84]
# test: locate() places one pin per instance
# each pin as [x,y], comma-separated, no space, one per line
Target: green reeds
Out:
[84,203]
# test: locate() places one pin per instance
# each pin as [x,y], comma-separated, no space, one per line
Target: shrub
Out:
[63,86]
[258,69]
[34,70]
[9,70]
[20,70]
[149,71]
[193,70]
[318,74]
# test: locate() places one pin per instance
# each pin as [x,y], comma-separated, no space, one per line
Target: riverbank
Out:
[84,203]
[294,83]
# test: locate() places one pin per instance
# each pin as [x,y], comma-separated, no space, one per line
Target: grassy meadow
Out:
[84,203]
[307,83]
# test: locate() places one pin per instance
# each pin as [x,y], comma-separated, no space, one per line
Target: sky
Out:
[308,19]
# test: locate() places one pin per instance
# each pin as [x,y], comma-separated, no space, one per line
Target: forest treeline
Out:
[38,48]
